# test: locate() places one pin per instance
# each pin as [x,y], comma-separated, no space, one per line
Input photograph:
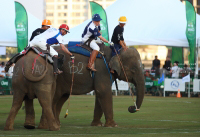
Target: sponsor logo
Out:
[175,84]
[148,83]
[4,83]
[20,27]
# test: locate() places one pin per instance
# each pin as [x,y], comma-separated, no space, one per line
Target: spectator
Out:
[148,75]
[185,70]
[10,71]
[167,64]
[2,72]
[156,66]
[175,70]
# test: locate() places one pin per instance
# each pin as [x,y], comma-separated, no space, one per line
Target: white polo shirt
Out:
[91,31]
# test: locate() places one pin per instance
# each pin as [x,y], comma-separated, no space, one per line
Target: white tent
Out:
[7,24]
[150,22]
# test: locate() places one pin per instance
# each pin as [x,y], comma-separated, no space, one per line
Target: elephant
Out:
[33,79]
[100,82]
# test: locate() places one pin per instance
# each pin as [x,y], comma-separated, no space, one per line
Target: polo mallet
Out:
[66,114]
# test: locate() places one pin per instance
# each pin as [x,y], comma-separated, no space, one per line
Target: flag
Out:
[186,78]
[161,79]
[21,25]
[191,32]
[98,9]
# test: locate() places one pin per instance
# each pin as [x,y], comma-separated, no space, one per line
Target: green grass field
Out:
[157,117]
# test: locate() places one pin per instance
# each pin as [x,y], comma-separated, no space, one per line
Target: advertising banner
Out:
[174,85]
[98,9]
[21,25]
[191,32]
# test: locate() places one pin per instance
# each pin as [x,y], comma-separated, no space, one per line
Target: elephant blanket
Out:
[74,46]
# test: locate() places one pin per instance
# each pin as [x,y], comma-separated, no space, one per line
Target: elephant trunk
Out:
[140,89]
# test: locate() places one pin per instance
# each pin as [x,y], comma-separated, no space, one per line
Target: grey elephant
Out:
[101,83]
[29,82]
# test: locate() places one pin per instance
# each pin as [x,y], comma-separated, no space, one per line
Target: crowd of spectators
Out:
[3,74]
[6,77]
[171,71]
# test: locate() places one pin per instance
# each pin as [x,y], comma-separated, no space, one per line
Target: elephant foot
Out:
[110,124]
[29,126]
[54,128]
[97,123]
[8,129]
[43,126]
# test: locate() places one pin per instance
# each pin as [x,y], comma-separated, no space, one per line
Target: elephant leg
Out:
[45,100]
[58,107]
[30,114]
[104,97]
[43,122]
[16,105]
[98,112]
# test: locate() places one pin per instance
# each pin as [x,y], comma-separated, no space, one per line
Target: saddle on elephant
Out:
[43,53]
[85,49]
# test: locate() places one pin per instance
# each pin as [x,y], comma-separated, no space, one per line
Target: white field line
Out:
[102,134]
[167,101]
[167,121]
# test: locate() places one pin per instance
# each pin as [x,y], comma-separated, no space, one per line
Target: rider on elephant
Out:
[46,24]
[48,38]
[90,33]
[117,37]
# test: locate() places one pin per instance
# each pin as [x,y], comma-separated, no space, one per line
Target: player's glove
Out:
[111,43]
[72,57]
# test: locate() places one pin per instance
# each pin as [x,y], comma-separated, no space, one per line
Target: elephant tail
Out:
[29,76]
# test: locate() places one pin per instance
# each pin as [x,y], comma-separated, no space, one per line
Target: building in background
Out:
[35,7]
[71,12]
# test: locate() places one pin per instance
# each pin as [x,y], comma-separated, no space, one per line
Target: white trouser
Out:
[93,44]
[41,43]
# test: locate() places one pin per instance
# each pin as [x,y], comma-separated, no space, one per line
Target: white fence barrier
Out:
[196,85]
[173,85]
[121,86]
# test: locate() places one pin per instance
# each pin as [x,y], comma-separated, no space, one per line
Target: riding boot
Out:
[90,65]
[11,61]
[55,66]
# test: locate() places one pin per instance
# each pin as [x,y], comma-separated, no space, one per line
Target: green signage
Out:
[98,9]
[4,83]
[21,25]
[191,32]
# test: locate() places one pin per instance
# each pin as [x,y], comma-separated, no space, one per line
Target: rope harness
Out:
[126,78]
[34,62]
[108,69]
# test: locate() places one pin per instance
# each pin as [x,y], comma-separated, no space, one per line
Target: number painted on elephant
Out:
[77,69]
[39,69]
[140,63]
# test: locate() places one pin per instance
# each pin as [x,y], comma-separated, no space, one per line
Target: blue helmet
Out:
[96,17]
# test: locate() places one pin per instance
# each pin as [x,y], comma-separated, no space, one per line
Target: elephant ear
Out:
[115,65]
